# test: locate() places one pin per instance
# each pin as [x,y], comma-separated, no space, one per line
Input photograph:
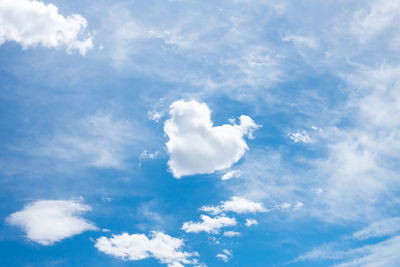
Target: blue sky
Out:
[199,133]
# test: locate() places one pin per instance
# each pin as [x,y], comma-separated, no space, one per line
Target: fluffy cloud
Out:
[196,146]
[49,221]
[32,23]
[208,224]
[235,204]
[250,222]
[135,247]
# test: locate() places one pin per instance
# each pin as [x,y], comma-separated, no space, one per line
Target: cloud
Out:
[196,146]
[299,40]
[225,255]
[379,229]
[230,175]
[231,233]
[235,204]
[302,137]
[49,221]
[354,251]
[32,23]
[380,254]
[98,140]
[149,155]
[250,222]
[208,224]
[135,247]
[374,19]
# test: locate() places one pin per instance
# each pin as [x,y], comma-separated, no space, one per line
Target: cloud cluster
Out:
[196,146]
[31,23]
[135,247]
[212,225]
[49,221]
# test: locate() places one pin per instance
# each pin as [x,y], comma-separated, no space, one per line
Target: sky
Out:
[199,133]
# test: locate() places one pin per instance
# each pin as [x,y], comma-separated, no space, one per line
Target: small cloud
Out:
[250,222]
[299,40]
[301,136]
[225,256]
[231,174]
[49,221]
[298,206]
[235,204]
[149,155]
[155,116]
[231,234]
[208,224]
[285,205]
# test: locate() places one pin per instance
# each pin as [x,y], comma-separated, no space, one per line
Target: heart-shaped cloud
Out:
[196,146]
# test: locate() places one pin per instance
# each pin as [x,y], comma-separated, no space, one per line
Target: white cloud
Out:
[135,247]
[235,204]
[250,222]
[208,224]
[379,229]
[302,137]
[196,146]
[298,205]
[225,255]
[49,221]
[32,23]
[299,40]
[374,19]
[231,174]
[381,254]
[285,205]
[149,155]
[231,233]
